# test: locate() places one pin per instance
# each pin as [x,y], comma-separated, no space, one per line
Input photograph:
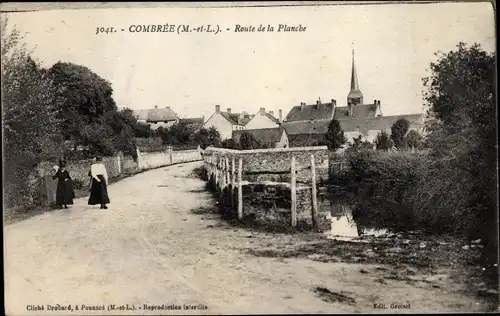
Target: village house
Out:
[264,119]
[227,122]
[306,125]
[275,137]
[156,117]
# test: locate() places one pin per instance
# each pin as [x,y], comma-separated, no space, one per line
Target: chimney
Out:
[334,103]
[272,113]
[280,116]
[302,106]
[374,102]
[156,106]
[229,110]
[262,111]
[217,108]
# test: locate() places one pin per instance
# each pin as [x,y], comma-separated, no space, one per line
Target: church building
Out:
[306,125]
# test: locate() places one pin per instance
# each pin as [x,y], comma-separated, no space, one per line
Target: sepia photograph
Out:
[229,158]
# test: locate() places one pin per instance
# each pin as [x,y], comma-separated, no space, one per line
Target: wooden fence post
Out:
[233,180]
[228,172]
[216,171]
[293,192]
[227,177]
[170,154]
[314,200]
[240,189]
[222,173]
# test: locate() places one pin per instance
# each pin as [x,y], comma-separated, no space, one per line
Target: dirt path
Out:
[158,244]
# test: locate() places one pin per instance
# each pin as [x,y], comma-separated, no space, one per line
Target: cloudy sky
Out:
[191,72]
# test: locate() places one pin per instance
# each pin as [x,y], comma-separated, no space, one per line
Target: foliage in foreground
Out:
[452,186]
[30,106]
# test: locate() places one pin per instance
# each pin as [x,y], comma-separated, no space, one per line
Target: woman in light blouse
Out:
[98,184]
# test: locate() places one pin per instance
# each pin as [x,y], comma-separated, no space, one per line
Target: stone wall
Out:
[274,164]
[79,170]
[336,163]
[152,160]
[266,177]
[270,204]
[129,165]
[186,155]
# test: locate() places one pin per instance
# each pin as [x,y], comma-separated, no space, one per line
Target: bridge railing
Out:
[292,170]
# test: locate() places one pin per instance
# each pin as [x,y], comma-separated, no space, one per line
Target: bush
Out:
[379,185]
[29,117]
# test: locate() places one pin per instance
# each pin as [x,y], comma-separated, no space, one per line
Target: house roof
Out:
[305,140]
[237,118]
[306,127]
[322,111]
[156,114]
[163,114]
[351,124]
[263,135]
[272,118]
[362,111]
[141,114]
[379,123]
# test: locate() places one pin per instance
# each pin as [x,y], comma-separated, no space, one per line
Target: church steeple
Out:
[355,96]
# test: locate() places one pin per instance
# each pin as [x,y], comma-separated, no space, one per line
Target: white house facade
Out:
[263,119]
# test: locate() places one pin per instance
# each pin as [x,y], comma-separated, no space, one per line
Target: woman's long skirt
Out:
[98,192]
[65,192]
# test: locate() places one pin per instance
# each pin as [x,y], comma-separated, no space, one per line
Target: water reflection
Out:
[343,224]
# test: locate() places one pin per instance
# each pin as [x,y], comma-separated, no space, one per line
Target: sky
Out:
[192,72]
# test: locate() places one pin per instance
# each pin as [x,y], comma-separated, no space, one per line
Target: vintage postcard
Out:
[249,158]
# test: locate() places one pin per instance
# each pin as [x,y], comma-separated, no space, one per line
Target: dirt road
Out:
[157,245]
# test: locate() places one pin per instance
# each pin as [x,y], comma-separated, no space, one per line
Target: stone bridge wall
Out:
[266,186]
[274,164]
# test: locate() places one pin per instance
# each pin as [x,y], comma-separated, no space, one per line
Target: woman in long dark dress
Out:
[65,192]
[98,184]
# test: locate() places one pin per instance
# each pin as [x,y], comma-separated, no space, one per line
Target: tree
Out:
[358,144]
[143,130]
[414,140]
[247,141]
[461,97]
[30,106]
[87,96]
[334,137]
[122,124]
[206,137]
[398,132]
[180,133]
[461,89]
[213,136]
[383,141]
[229,144]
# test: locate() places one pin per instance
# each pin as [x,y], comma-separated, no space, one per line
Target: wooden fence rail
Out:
[228,176]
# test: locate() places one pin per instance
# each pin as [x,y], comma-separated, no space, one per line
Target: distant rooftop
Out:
[156,114]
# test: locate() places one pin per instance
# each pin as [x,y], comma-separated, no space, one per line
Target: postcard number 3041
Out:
[106,30]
